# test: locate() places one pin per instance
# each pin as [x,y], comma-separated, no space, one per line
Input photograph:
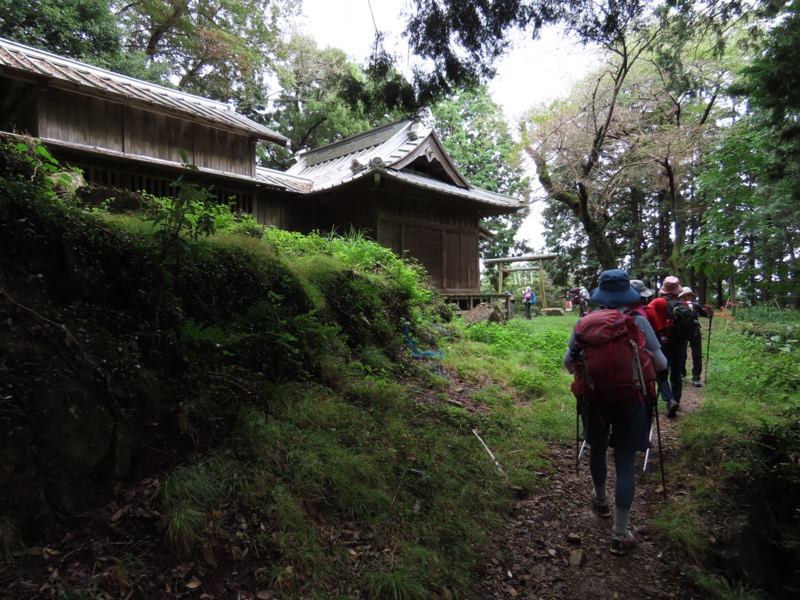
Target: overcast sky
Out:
[534,72]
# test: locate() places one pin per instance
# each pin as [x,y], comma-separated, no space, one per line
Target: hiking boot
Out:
[672,408]
[622,546]
[602,508]
[696,383]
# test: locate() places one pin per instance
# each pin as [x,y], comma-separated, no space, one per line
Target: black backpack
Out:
[682,324]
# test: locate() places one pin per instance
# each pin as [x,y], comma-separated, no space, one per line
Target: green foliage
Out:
[278,363]
[81,29]
[188,495]
[45,168]
[184,529]
[185,217]
[745,203]
[217,49]
[744,439]
[525,358]
[767,315]
[315,106]
[355,251]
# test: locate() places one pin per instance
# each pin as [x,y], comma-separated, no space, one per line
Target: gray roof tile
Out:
[70,74]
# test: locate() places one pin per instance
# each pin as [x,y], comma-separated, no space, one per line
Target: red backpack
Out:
[612,364]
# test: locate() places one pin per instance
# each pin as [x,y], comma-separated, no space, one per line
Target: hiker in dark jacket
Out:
[623,426]
[670,380]
[696,343]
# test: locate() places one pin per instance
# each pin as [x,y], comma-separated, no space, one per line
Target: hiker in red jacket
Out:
[670,380]
[617,420]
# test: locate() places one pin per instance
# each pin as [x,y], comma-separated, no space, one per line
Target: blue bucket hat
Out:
[614,289]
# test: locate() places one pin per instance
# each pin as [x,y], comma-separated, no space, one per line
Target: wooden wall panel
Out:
[79,119]
[390,235]
[268,212]
[425,244]
[452,261]
[452,215]
[115,126]
[470,274]
[48,121]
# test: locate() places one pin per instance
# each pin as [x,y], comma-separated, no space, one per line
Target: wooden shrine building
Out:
[395,183]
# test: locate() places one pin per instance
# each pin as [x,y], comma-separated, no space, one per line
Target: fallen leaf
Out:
[194,583]
[118,515]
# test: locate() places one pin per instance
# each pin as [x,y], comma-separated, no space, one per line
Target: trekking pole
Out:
[708,347]
[650,437]
[647,452]
[578,441]
[660,452]
[580,405]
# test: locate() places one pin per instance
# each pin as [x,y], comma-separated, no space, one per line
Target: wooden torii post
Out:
[537,257]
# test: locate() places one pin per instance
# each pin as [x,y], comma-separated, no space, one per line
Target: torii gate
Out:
[539,257]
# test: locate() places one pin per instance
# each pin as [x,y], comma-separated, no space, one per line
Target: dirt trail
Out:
[534,549]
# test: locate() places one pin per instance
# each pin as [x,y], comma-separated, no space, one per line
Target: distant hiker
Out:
[644,297]
[616,402]
[580,298]
[696,342]
[529,299]
[660,313]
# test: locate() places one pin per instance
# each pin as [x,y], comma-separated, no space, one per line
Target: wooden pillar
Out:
[541,284]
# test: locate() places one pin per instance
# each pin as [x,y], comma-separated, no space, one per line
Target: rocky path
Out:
[555,546]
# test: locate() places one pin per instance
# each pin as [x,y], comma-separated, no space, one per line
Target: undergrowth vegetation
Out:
[742,449]
[253,408]
[254,391]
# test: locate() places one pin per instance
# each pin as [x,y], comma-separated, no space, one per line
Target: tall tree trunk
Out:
[677,209]
[638,242]
[720,293]
[579,204]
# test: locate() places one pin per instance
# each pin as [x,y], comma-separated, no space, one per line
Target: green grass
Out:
[720,588]
[739,444]
[530,396]
[393,585]
[309,419]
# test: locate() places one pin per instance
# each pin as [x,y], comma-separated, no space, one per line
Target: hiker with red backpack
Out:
[614,355]
[580,298]
[675,325]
